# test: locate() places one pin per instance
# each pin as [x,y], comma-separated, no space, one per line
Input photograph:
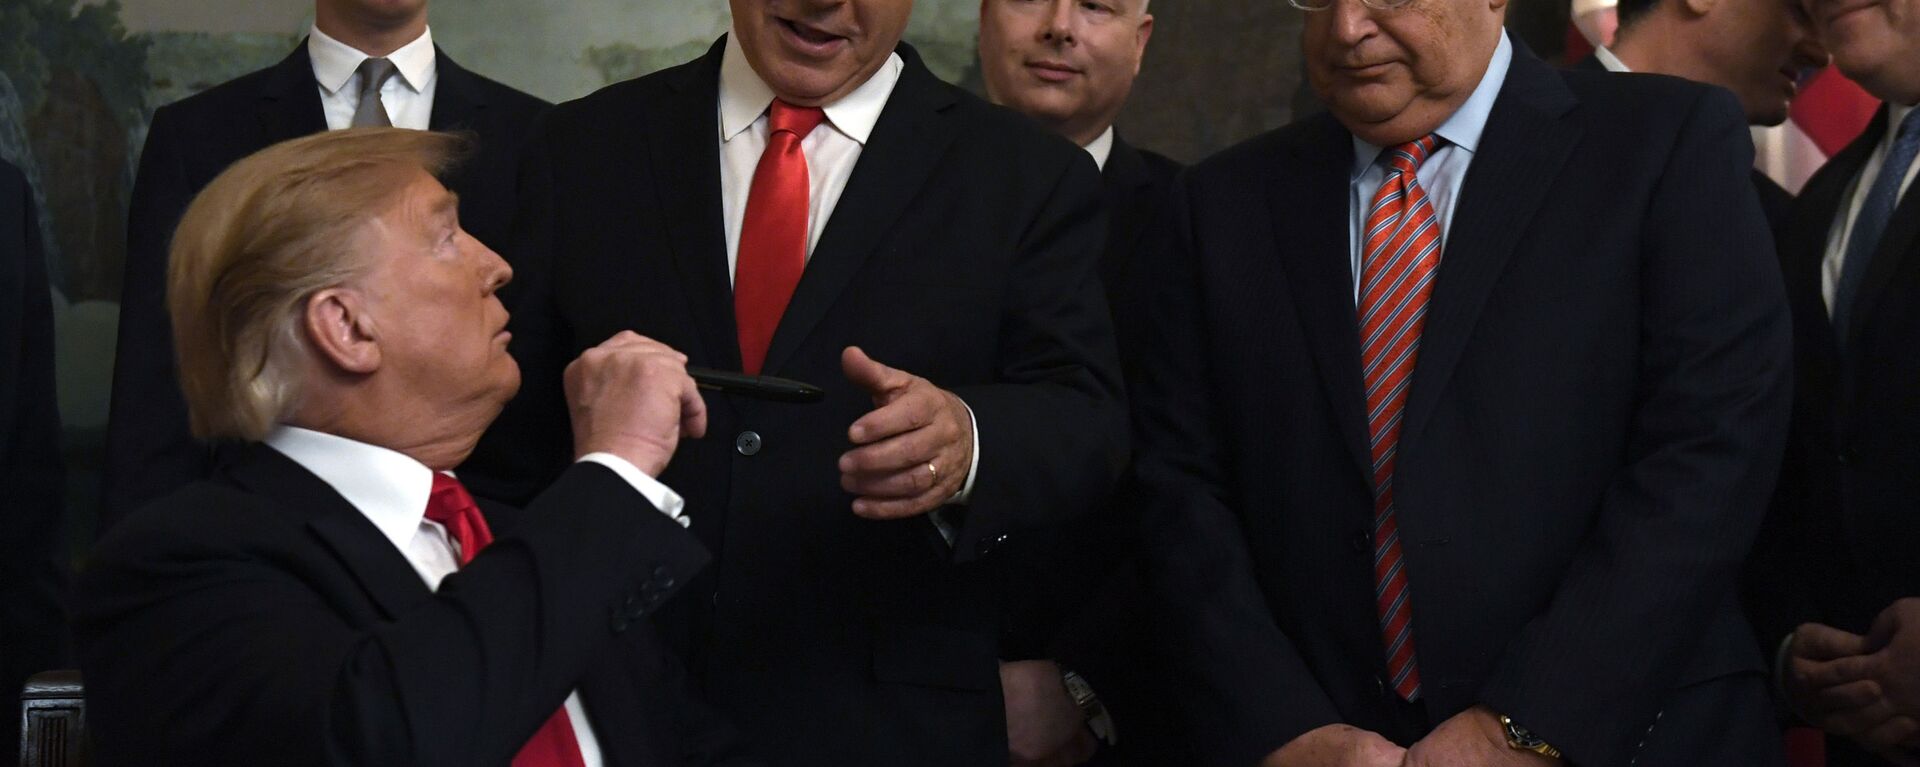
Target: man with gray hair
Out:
[332,595]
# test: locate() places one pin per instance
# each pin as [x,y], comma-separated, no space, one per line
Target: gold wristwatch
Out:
[1523,739]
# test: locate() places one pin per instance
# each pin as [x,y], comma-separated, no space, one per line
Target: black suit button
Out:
[987,546]
[748,443]
[1379,685]
[1361,541]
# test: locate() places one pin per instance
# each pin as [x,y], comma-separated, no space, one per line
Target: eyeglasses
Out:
[1321,5]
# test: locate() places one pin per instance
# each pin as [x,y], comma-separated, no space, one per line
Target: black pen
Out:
[759,387]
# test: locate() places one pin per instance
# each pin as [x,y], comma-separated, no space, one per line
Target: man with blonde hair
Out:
[331,595]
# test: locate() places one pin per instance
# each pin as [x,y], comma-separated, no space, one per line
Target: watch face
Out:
[1519,737]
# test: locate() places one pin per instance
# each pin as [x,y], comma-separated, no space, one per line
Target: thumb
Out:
[1823,643]
[877,379]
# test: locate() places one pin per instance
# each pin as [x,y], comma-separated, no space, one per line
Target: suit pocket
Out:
[935,656]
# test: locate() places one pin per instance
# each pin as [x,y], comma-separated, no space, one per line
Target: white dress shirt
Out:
[1611,62]
[1842,229]
[1101,147]
[391,489]
[832,149]
[408,94]
[1444,172]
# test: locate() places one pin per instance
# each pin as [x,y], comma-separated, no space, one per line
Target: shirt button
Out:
[748,443]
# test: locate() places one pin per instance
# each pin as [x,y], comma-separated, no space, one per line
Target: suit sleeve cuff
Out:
[662,497]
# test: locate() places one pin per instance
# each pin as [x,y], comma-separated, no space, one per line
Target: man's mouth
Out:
[1053,71]
[809,38]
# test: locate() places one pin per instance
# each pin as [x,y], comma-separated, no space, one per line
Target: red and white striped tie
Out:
[1400,257]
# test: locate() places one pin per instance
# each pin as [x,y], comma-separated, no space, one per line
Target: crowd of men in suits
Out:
[1499,414]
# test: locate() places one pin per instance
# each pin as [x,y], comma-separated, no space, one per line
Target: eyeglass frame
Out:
[1378,5]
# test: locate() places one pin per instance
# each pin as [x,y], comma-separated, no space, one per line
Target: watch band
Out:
[1098,720]
[1524,739]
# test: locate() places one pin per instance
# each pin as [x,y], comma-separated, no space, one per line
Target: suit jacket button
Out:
[1361,541]
[987,546]
[748,443]
[1379,685]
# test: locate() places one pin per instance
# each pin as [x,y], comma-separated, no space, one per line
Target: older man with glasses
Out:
[1468,396]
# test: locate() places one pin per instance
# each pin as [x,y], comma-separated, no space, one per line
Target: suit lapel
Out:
[1520,154]
[457,103]
[907,144]
[290,100]
[1820,204]
[1310,219]
[687,156]
[1895,243]
[379,567]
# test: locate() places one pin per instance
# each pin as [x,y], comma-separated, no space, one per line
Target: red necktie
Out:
[1401,253]
[553,745]
[773,235]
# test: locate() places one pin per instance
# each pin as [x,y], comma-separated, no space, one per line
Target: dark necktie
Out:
[553,745]
[374,74]
[773,233]
[1401,252]
[1871,224]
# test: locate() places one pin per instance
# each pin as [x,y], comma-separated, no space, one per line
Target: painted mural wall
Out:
[79,80]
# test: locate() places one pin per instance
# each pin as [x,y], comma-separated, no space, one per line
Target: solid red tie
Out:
[553,745]
[1401,253]
[773,234]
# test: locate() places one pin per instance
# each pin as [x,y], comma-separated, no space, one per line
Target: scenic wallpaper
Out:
[80,80]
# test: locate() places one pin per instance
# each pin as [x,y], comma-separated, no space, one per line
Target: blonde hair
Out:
[264,236]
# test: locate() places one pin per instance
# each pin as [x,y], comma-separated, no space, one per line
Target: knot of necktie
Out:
[452,507]
[1407,158]
[799,121]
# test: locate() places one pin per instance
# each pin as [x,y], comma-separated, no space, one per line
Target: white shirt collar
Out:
[388,487]
[1464,127]
[1101,148]
[1610,61]
[334,62]
[1895,114]
[744,96]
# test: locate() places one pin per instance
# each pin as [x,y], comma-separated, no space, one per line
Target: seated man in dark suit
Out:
[1079,653]
[1756,48]
[365,62]
[331,595]
[1845,615]
[1467,399]
[33,542]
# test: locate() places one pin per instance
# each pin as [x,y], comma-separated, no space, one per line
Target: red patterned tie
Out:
[553,745]
[773,234]
[1402,250]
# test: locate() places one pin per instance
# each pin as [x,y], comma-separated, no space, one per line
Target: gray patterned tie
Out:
[374,73]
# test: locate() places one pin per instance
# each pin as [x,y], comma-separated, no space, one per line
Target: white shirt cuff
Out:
[973,465]
[662,497]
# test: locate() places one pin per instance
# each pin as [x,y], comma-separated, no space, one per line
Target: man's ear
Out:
[1700,7]
[341,331]
[1144,34]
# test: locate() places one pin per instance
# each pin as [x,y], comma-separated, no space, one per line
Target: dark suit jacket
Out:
[963,250]
[1591,432]
[1844,530]
[1775,200]
[1076,592]
[32,529]
[150,451]
[258,618]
